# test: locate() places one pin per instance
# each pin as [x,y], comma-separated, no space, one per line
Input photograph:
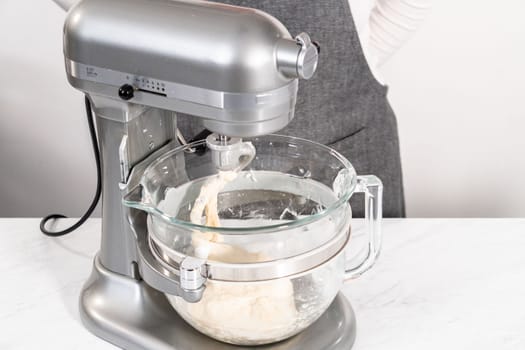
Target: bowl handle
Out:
[372,187]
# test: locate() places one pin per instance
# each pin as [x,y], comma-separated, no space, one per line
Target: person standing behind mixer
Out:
[344,106]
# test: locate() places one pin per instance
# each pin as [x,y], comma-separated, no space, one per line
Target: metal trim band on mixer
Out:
[254,272]
[206,97]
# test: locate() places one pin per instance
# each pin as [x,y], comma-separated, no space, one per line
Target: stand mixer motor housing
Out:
[141,62]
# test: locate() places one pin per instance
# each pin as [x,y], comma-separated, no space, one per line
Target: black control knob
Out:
[126,92]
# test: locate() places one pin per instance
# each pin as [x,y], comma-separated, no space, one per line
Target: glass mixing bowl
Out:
[277,260]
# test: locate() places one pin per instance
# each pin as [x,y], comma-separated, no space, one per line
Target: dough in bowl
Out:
[240,313]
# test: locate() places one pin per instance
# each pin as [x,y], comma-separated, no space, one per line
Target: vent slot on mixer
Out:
[153,92]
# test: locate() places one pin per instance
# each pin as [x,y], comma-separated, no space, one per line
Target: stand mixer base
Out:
[132,315]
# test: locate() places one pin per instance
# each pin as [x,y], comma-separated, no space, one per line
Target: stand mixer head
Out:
[236,69]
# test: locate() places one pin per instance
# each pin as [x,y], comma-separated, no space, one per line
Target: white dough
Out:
[207,199]
[235,310]
[246,311]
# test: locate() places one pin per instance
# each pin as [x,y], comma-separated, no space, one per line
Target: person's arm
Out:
[384,26]
[392,22]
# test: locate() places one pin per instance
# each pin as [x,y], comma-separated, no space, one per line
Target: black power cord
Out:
[98,191]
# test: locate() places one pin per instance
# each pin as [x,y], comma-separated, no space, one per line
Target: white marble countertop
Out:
[439,284]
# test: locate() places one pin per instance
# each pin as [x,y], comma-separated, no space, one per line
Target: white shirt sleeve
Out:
[383,26]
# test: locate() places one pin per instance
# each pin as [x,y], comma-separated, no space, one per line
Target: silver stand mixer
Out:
[140,62]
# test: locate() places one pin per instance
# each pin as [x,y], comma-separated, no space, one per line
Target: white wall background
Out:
[46,164]
[456,88]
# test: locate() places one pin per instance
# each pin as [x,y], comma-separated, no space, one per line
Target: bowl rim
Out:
[152,209]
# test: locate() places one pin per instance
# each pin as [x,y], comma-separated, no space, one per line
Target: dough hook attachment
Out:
[230,153]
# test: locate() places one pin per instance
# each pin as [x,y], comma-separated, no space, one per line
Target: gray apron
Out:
[342,106]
